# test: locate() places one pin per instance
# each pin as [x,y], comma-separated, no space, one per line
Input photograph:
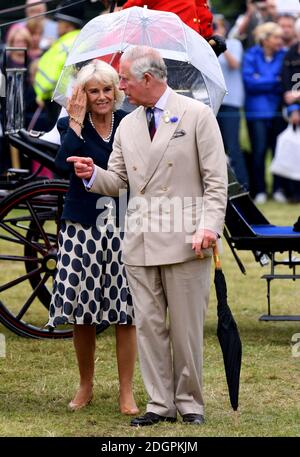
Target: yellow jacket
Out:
[51,64]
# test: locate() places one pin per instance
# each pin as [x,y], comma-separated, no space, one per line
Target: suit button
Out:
[199,21]
[142,191]
[134,168]
[170,164]
[164,189]
[195,19]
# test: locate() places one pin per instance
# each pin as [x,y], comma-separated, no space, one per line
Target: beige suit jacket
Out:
[177,182]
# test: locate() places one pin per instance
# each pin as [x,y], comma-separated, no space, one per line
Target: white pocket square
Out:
[179,133]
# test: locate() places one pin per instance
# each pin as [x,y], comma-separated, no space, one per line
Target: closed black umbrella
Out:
[228,335]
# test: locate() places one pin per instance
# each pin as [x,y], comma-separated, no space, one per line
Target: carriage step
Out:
[274,317]
[17,172]
[278,276]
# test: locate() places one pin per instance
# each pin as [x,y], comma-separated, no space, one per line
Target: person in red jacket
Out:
[205,18]
[185,9]
[194,13]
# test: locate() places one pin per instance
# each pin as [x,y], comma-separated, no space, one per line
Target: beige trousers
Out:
[171,347]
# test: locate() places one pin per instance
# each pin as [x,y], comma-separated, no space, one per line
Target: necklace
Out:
[108,137]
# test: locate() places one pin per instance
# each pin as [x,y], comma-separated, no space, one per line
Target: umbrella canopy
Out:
[193,67]
[228,335]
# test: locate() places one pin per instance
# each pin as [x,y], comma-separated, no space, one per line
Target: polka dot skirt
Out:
[90,285]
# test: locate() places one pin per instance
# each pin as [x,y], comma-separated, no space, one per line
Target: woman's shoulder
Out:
[120,114]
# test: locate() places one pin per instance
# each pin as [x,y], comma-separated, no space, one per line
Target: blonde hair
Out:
[34,25]
[103,73]
[21,31]
[263,31]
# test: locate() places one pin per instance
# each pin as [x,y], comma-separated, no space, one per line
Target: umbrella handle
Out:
[217,259]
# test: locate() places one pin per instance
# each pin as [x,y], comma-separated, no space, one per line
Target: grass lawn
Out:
[39,377]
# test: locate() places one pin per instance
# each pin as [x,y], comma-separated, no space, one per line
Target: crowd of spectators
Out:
[261,68]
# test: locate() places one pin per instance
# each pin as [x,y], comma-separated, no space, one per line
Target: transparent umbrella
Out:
[193,68]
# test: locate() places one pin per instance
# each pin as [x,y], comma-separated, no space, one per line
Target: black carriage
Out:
[30,209]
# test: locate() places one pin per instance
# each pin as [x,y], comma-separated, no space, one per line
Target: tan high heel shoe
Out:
[129,411]
[72,406]
[75,406]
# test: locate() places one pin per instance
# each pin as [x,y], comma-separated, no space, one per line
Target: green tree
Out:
[231,8]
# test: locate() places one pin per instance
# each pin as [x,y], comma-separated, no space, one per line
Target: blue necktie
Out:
[151,122]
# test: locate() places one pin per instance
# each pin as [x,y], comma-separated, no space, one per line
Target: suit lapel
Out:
[162,137]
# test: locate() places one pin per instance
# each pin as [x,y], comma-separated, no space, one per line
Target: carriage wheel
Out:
[29,225]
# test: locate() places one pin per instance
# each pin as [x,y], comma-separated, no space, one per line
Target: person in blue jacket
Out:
[263,89]
[291,96]
[90,286]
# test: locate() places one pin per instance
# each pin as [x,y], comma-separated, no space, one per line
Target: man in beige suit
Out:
[178,186]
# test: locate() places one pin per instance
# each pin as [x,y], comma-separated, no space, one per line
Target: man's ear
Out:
[148,78]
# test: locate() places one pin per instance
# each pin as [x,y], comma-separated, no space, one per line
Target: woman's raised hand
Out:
[76,106]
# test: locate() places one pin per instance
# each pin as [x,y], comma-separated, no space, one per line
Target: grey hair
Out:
[145,60]
[103,73]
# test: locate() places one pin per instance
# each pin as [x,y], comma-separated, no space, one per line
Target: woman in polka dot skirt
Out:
[90,286]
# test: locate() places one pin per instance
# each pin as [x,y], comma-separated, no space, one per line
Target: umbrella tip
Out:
[236,417]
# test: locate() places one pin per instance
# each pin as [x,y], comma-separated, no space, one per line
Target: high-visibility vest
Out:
[51,64]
